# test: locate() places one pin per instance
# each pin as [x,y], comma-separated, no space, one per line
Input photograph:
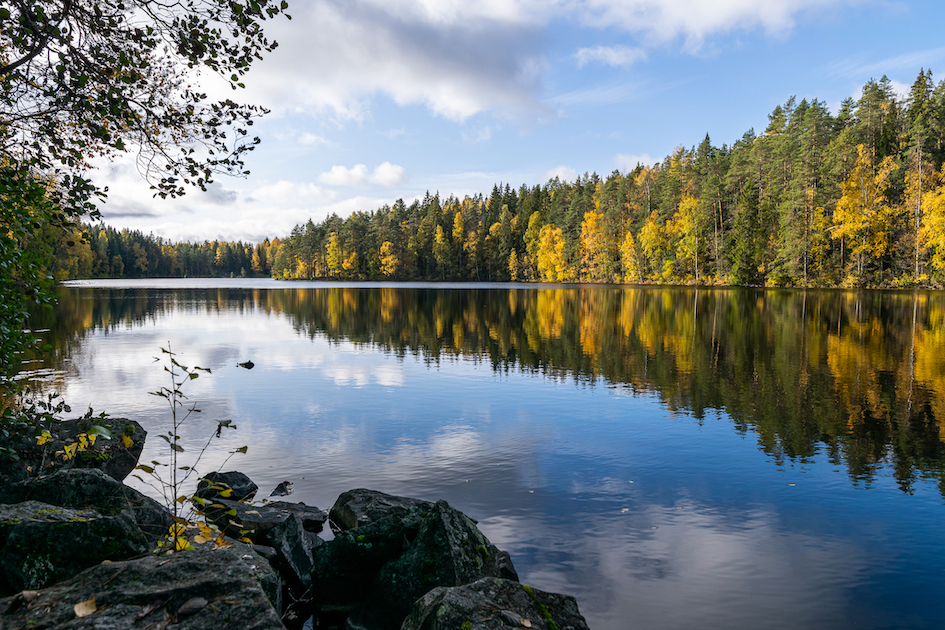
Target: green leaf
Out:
[98,429]
[145,468]
[177,448]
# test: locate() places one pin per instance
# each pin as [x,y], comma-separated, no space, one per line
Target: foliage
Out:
[172,489]
[81,80]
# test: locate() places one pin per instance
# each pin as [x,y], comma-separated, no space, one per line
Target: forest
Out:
[852,199]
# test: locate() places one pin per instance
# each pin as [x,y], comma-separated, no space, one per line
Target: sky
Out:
[375,100]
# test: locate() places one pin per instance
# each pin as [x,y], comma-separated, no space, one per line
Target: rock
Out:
[282,490]
[293,546]
[347,565]
[361,506]
[493,604]
[193,590]
[242,487]
[89,488]
[41,544]
[449,550]
[117,456]
[257,520]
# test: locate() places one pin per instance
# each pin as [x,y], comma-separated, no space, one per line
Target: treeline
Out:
[99,251]
[852,199]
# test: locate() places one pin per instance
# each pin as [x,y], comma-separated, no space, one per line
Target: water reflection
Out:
[860,375]
[590,430]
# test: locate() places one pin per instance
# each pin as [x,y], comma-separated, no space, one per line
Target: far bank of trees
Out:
[855,198]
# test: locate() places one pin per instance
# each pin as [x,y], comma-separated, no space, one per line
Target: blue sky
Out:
[374,100]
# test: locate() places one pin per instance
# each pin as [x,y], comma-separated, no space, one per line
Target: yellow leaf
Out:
[246,540]
[183,544]
[200,539]
[206,531]
[42,439]
[226,493]
[84,609]
[92,437]
[126,441]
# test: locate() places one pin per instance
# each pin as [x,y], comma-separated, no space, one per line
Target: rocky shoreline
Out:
[79,549]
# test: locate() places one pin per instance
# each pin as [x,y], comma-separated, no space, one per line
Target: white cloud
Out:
[310,139]
[386,174]
[341,176]
[626,162]
[459,59]
[483,135]
[564,173]
[610,55]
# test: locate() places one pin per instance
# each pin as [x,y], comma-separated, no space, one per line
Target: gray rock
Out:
[293,546]
[449,550]
[282,490]
[361,506]
[242,487]
[109,455]
[257,520]
[90,488]
[493,604]
[347,565]
[41,544]
[193,590]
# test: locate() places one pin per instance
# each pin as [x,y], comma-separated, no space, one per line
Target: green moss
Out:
[129,429]
[49,511]
[541,607]
[86,458]
[361,538]
[467,625]
[482,551]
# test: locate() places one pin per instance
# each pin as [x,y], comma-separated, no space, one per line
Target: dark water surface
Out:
[675,458]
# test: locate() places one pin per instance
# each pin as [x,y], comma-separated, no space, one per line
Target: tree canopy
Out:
[84,79]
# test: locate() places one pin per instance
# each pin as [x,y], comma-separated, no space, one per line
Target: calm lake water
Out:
[675,458]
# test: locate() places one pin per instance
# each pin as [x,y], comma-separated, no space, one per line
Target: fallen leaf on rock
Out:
[191,606]
[200,539]
[84,609]
[148,609]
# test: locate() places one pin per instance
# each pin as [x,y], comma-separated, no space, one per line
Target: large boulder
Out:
[41,543]
[194,590]
[346,566]
[240,486]
[449,550]
[255,521]
[494,604]
[293,545]
[361,506]
[116,456]
[89,488]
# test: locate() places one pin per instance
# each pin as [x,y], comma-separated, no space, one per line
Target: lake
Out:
[675,458]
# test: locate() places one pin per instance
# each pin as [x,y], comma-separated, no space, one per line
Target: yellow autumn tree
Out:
[863,218]
[552,264]
[629,258]
[596,259]
[513,265]
[333,255]
[388,259]
[684,226]
[932,233]
[653,241]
